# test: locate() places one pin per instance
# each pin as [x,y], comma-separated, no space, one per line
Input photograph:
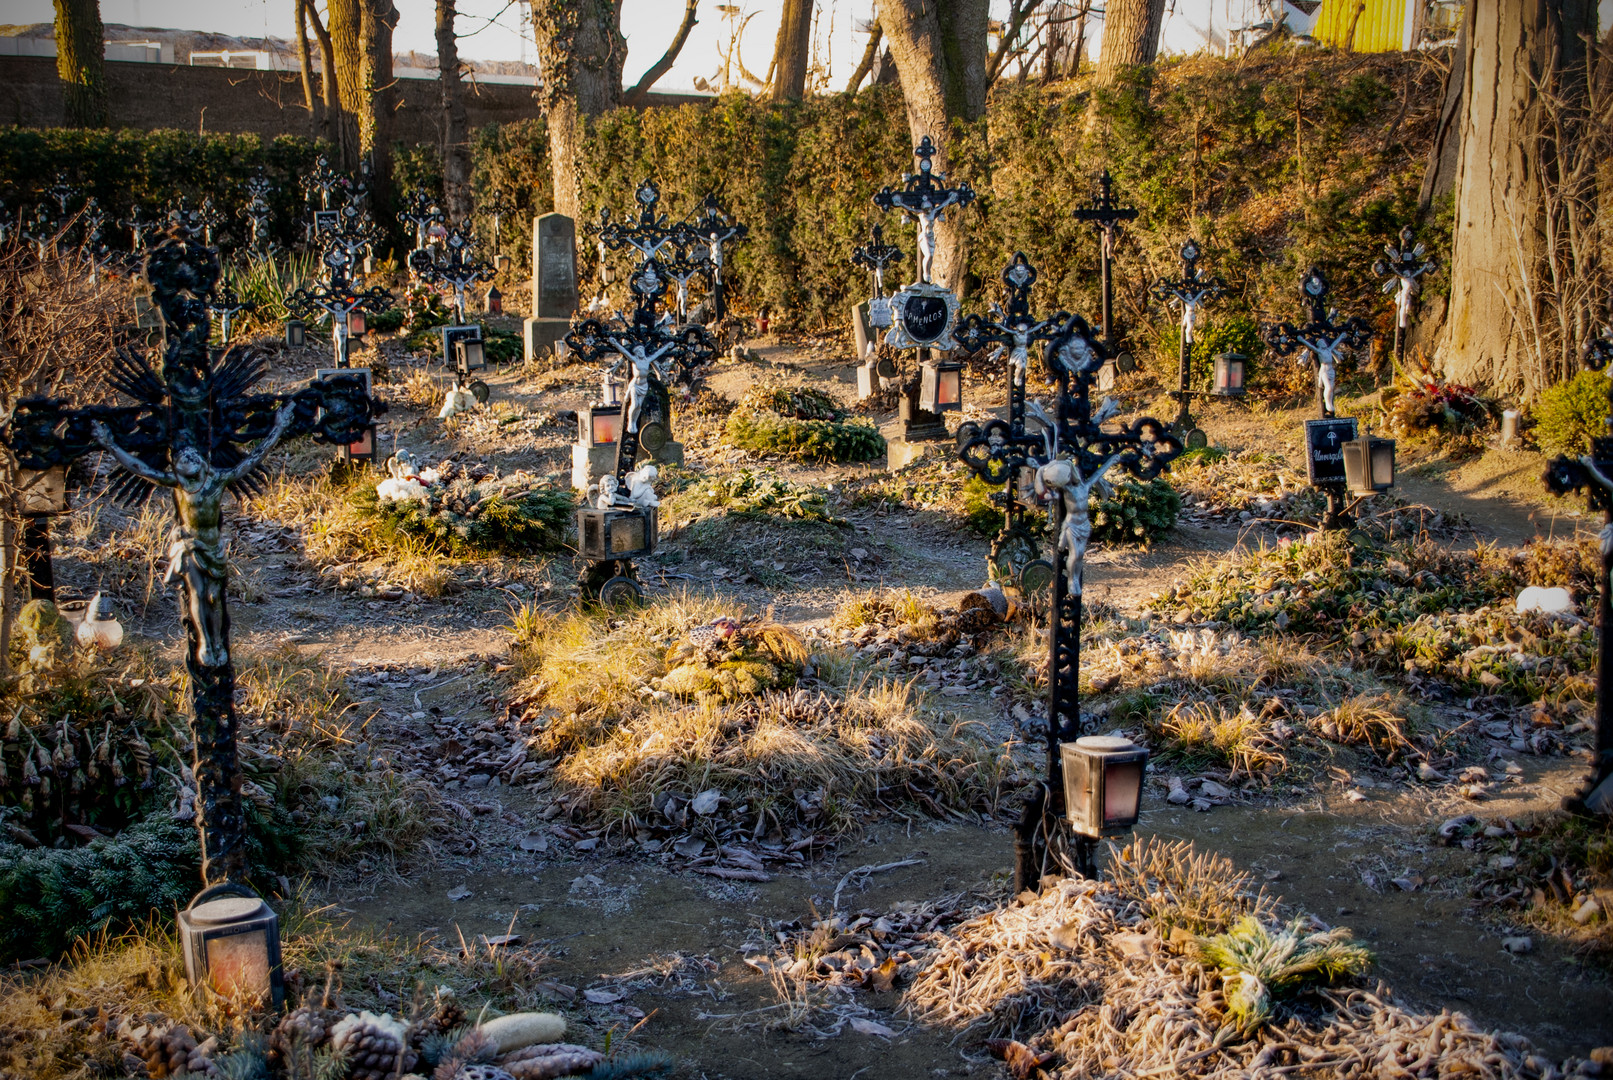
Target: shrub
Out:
[806,440]
[463,515]
[1572,413]
[1139,511]
[793,403]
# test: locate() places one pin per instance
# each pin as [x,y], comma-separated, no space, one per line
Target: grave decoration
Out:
[554,285]
[1322,337]
[454,264]
[712,229]
[203,222]
[197,429]
[1403,266]
[420,212]
[1592,473]
[259,215]
[496,206]
[1067,461]
[141,228]
[1190,292]
[225,303]
[1015,559]
[620,523]
[924,314]
[873,314]
[1105,213]
[685,250]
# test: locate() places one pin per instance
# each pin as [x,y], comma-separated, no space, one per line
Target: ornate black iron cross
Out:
[456,266]
[1191,291]
[197,430]
[648,235]
[1403,266]
[712,228]
[1323,336]
[421,212]
[925,198]
[338,297]
[1105,213]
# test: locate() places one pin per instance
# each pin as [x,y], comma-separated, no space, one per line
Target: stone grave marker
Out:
[554,283]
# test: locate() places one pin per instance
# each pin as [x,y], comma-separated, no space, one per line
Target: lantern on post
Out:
[1369,465]
[1103,784]
[231,942]
[941,386]
[1230,372]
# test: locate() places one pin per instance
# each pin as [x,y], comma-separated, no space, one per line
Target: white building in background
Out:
[128,52]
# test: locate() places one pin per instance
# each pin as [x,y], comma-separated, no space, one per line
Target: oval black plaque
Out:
[924,317]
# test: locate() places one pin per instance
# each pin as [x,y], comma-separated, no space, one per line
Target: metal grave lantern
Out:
[600,424]
[1230,371]
[495,299]
[362,450]
[41,496]
[1369,465]
[1103,784]
[941,386]
[616,533]
[356,326]
[296,333]
[231,942]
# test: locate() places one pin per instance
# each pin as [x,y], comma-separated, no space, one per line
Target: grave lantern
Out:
[941,386]
[146,315]
[616,533]
[356,327]
[495,299]
[41,495]
[1103,784]
[600,424]
[1369,465]
[1229,374]
[469,355]
[362,450]
[231,942]
[296,333]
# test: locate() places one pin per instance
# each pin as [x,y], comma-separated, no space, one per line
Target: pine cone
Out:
[376,1047]
[471,1072]
[167,1049]
[547,1060]
[446,1014]
[307,1027]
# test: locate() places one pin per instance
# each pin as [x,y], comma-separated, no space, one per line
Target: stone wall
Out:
[268,103]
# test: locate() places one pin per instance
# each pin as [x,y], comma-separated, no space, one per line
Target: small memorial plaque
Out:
[923,315]
[1324,450]
[879,313]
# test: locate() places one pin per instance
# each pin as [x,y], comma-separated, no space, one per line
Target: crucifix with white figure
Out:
[1403,266]
[1323,337]
[1190,292]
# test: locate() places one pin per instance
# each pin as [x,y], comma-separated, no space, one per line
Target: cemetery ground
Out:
[501,795]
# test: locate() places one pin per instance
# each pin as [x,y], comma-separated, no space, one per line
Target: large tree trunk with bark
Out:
[347,53]
[1524,238]
[455,124]
[580,54]
[381,101]
[1130,36]
[330,119]
[305,57]
[792,50]
[940,54]
[80,62]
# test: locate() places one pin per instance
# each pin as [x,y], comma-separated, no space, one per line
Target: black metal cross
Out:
[225,303]
[1323,336]
[876,255]
[1070,457]
[1105,213]
[259,213]
[421,212]
[198,430]
[455,265]
[338,297]
[648,235]
[713,229]
[321,181]
[1403,266]
[1191,291]
[925,198]
[141,228]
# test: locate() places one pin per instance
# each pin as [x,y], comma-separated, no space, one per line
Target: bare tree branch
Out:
[875,36]
[1019,11]
[663,65]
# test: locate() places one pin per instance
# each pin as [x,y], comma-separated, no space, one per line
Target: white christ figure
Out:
[1327,367]
[928,214]
[1064,476]
[638,388]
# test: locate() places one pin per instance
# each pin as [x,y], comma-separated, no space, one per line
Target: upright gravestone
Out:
[554,282]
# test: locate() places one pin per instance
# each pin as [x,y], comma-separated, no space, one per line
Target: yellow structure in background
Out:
[1383,25]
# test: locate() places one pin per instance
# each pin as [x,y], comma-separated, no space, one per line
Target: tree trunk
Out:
[580,55]
[455,124]
[1504,326]
[1439,178]
[940,58]
[346,33]
[866,64]
[1130,36]
[305,58]
[330,126]
[381,101]
[792,50]
[81,62]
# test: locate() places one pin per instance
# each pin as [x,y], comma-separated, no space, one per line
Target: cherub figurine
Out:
[638,387]
[641,487]
[1064,476]
[610,493]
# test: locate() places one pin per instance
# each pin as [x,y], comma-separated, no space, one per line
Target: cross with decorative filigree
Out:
[876,256]
[1069,456]
[338,297]
[1190,291]
[1105,213]
[1403,266]
[225,304]
[199,431]
[200,223]
[648,235]
[420,212]
[322,181]
[713,229]
[1323,336]
[259,213]
[925,198]
[455,266]
[141,228]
